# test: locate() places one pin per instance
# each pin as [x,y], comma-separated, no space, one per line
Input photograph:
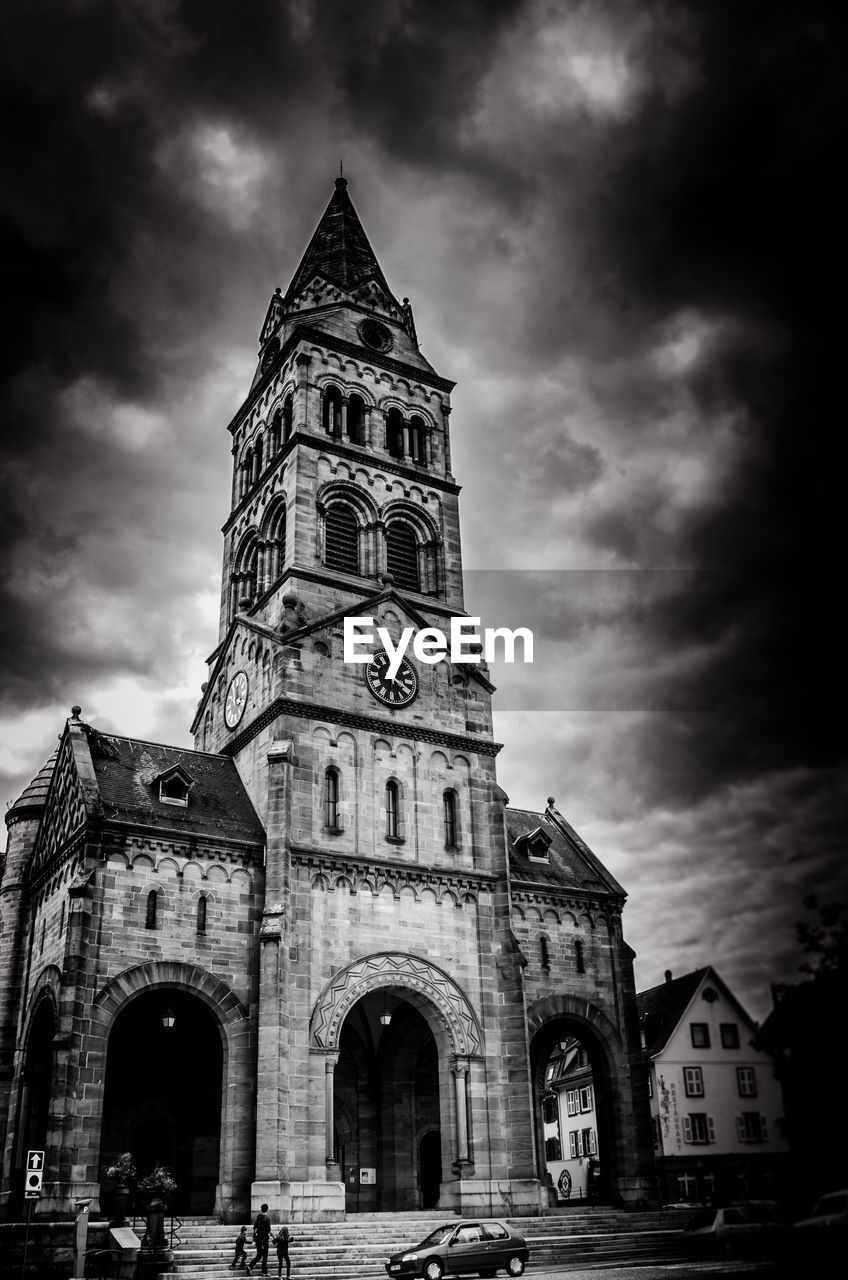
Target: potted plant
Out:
[122,1176]
[156,1188]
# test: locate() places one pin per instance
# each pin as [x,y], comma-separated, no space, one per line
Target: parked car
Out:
[756,1227]
[829,1211]
[463,1248]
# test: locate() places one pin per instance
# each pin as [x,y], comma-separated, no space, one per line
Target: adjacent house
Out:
[716,1101]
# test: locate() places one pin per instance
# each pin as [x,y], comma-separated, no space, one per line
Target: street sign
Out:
[32,1195]
[34,1174]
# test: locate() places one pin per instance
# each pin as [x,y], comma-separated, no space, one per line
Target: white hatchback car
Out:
[830,1210]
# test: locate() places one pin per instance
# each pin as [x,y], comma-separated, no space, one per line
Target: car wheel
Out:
[514,1265]
[433,1269]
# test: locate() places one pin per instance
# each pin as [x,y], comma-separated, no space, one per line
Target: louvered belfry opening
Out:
[341,539]
[402,556]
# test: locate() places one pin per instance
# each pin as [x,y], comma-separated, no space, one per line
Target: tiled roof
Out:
[569,863]
[661,1008]
[339,248]
[126,771]
[34,794]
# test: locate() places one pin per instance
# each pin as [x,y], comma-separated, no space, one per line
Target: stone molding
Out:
[397,970]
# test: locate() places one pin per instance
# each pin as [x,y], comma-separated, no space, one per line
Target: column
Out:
[446,438]
[367,410]
[406,453]
[329,1121]
[343,432]
[460,1077]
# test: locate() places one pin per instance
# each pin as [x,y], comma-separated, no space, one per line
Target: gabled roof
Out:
[127,773]
[339,249]
[661,1008]
[570,862]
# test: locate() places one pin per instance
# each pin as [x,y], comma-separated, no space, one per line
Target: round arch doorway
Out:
[390,1091]
[163,1093]
[571,1112]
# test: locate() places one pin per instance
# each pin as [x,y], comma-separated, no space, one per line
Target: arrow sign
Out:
[35,1160]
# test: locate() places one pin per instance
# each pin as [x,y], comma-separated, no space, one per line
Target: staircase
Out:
[358,1248]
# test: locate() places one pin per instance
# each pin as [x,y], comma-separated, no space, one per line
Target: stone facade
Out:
[365,955]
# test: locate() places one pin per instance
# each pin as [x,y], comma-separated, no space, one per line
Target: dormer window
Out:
[535,845]
[174,787]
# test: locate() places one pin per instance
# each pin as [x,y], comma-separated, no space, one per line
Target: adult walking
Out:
[282,1240]
[262,1237]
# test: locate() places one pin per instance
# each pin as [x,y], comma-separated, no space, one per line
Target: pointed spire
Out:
[339,249]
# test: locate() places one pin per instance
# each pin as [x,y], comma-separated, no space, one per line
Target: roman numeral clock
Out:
[398,692]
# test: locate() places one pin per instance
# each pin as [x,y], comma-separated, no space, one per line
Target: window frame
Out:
[693,1082]
[746,1082]
[729,1032]
[699,1033]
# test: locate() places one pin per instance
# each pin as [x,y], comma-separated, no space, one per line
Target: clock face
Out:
[375,335]
[236,700]
[395,693]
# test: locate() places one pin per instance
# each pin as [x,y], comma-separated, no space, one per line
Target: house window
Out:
[698,1127]
[579,962]
[586,1098]
[545,954]
[174,790]
[553,1150]
[392,811]
[201,914]
[746,1082]
[687,1186]
[150,918]
[394,433]
[341,539]
[693,1082]
[700,1035]
[331,800]
[729,1035]
[449,807]
[332,411]
[588,1136]
[571,1102]
[751,1127]
[549,1109]
[575,1143]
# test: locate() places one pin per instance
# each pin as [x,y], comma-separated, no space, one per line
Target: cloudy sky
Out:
[619,228]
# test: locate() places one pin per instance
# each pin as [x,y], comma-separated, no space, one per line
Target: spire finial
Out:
[341,180]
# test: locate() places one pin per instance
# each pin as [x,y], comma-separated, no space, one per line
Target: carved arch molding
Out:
[394,969]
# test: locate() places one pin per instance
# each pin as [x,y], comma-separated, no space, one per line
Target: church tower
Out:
[317,961]
[388,1077]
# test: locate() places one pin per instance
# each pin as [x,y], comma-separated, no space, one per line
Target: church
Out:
[318,961]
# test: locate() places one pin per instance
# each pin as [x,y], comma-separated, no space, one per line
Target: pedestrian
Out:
[282,1240]
[262,1238]
[241,1250]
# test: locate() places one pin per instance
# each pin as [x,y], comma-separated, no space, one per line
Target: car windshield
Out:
[831,1204]
[439,1236]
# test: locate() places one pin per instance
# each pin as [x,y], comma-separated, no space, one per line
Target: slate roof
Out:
[34,794]
[570,862]
[126,771]
[339,249]
[662,1007]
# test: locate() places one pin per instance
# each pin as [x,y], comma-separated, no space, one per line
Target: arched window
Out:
[331,799]
[150,917]
[341,539]
[257,460]
[288,417]
[402,555]
[392,810]
[544,952]
[244,578]
[394,433]
[416,440]
[332,411]
[449,801]
[578,956]
[276,436]
[201,914]
[275,550]
[356,420]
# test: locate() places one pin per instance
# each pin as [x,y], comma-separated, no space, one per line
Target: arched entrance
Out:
[573,1104]
[400,1040]
[163,1089]
[387,1097]
[36,1087]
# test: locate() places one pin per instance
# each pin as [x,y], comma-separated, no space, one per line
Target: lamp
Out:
[168,1018]
[385,1016]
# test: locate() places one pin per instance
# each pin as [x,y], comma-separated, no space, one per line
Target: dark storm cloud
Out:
[619,226]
